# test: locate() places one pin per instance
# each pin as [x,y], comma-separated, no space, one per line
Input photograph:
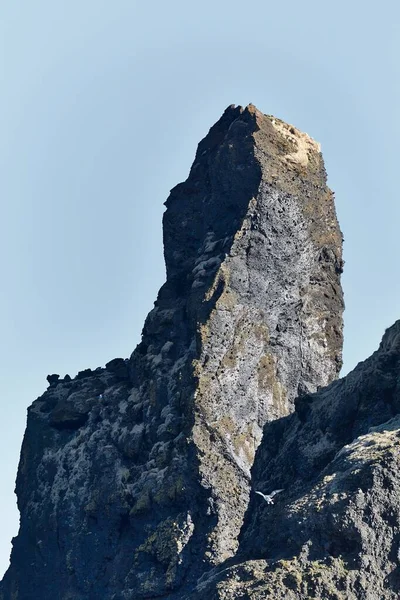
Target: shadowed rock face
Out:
[134,479]
[335,530]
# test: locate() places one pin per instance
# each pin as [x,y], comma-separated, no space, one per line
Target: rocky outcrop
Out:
[335,530]
[134,479]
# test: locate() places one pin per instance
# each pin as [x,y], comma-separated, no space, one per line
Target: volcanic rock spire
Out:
[134,479]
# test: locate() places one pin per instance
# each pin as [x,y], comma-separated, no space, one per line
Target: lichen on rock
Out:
[335,531]
[134,479]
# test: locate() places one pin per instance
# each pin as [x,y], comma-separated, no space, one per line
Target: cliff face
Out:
[134,479]
[334,531]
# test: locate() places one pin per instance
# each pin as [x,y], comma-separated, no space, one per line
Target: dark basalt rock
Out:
[335,530]
[53,379]
[119,367]
[84,373]
[66,416]
[134,479]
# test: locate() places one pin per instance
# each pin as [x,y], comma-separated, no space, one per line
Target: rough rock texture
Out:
[134,479]
[334,533]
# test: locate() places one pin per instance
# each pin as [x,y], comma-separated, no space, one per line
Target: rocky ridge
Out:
[134,479]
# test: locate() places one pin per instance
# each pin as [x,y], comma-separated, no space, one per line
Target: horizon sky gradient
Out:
[102,107]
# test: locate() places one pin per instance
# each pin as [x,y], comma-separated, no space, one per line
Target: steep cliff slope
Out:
[134,479]
[334,533]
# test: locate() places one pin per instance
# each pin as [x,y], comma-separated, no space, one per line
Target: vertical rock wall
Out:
[334,530]
[135,478]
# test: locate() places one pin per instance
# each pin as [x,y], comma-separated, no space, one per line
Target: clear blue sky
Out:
[101,107]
